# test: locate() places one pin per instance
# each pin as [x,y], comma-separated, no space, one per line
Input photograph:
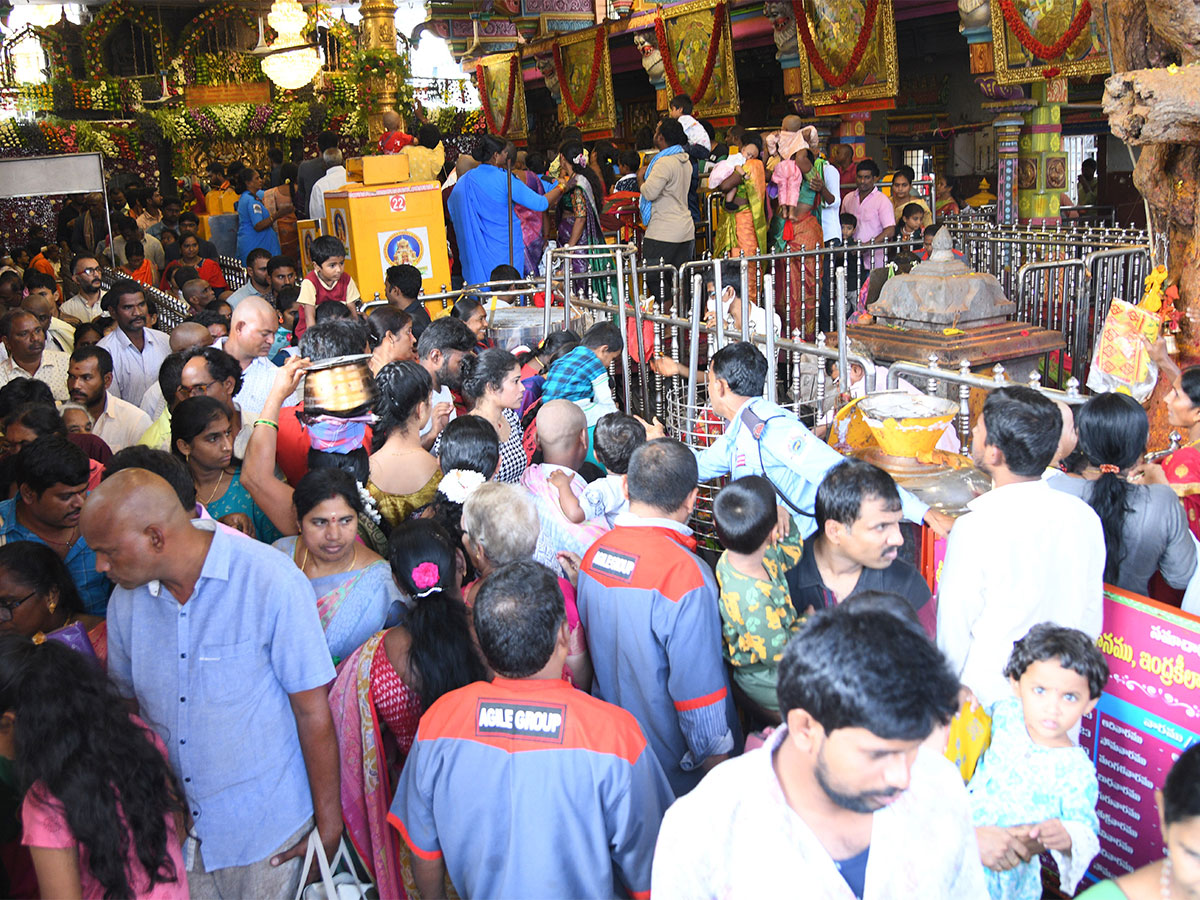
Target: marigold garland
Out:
[486,101]
[565,87]
[1045,51]
[660,32]
[831,78]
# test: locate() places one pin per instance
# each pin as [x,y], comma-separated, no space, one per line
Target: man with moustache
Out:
[843,798]
[85,305]
[857,544]
[137,351]
[89,376]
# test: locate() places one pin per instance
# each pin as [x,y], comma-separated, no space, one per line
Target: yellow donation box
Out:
[389,225]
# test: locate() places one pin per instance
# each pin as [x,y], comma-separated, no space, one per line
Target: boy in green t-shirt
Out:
[757,614]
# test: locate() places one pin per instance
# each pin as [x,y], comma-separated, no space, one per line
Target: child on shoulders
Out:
[1033,776]
[616,436]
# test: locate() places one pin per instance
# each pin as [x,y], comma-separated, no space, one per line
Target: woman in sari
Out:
[202,438]
[356,595]
[533,222]
[742,222]
[404,475]
[579,212]
[38,599]
[944,203]
[802,192]
[902,195]
[383,688]
[1181,469]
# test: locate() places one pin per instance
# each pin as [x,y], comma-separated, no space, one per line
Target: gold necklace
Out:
[220,478]
[304,563]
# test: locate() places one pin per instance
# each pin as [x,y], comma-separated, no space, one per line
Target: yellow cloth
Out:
[221,202]
[395,508]
[424,164]
[158,435]
[969,736]
[898,206]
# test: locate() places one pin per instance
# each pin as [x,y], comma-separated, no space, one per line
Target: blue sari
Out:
[481,215]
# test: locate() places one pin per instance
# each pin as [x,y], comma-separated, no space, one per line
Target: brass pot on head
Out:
[342,387]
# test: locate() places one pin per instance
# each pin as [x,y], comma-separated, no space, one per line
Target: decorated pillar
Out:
[1008,138]
[1042,164]
[379,33]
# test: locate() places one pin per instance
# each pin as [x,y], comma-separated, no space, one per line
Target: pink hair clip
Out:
[426,577]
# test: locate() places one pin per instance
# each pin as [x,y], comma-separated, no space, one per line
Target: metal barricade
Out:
[233,270]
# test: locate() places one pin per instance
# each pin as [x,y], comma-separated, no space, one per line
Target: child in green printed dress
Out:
[757,614]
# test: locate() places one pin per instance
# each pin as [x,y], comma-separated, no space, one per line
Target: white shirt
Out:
[153,401]
[52,372]
[441,395]
[333,179]
[1024,554]
[135,370]
[121,424]
[257,380]
[831,214]
[79,308]
[714,840]
[695,131]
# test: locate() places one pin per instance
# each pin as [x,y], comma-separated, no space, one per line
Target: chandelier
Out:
[290,69]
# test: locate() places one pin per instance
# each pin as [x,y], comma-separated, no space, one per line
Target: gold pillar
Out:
[379,32]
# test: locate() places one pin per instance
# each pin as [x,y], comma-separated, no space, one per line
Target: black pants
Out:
[663,253]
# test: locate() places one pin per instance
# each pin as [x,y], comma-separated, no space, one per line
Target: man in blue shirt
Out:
[525,786]
[763,438]
[227,661]
[52,479]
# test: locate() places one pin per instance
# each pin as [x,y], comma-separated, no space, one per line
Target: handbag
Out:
[342,886]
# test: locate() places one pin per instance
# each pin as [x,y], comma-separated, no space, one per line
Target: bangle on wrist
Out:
[258,422]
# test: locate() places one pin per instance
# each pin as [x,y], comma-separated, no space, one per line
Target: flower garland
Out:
[97,30]
[1045,51]
[831,78]
[590,93]
[660,32]
[194,31]
[481,79]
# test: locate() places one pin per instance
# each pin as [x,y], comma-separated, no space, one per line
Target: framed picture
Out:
[502,95]
[341,229]
[1047,24]
[308,230]
[690,30]
[584,72]
[835,29]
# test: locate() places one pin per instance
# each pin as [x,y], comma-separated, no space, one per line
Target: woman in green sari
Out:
[742,221]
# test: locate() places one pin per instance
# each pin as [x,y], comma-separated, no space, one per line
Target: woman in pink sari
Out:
[383,688]
[533,223]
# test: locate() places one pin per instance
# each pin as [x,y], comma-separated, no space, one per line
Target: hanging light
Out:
[290,69]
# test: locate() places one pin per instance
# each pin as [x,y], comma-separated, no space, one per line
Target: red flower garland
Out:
[565,87]
[481,78]
[831,78]
[1045,51]
[660,32]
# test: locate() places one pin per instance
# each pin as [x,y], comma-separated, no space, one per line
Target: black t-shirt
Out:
[807,589]
[420,317]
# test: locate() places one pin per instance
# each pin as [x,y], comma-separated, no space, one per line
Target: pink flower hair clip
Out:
[426,577]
